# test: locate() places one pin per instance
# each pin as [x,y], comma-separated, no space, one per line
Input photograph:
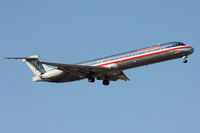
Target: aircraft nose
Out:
[191,50]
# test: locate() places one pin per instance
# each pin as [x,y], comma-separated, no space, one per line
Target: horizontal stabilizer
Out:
[33,62]
[17,58]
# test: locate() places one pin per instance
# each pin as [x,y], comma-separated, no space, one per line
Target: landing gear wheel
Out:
[106,82]
[185,61]
[91,79]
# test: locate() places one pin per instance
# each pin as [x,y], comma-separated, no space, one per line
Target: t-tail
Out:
[33,62]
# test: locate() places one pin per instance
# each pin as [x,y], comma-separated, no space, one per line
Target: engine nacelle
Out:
[53,74]
[37,79]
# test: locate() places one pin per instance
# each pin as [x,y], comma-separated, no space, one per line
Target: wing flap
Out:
[122,76]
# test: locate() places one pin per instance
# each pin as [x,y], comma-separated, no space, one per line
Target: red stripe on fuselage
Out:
[140,56]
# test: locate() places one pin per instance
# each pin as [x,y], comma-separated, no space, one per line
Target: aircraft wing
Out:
[99,72]
[78,67]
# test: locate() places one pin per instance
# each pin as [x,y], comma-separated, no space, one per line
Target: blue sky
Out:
[160,98]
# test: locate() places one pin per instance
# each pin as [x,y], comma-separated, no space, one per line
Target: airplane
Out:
[107,68]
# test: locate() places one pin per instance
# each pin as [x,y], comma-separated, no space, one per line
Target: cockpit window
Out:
[180,44]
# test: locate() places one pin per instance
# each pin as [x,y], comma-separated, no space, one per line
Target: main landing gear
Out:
[185,59]
[91,79]
[105,81]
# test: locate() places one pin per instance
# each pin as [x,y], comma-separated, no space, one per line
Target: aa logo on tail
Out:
[38,66]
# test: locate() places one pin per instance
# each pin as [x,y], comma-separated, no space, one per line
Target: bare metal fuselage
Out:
[123,61]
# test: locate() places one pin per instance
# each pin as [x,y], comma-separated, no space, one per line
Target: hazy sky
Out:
[159,98]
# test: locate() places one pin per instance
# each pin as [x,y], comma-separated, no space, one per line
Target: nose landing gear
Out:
[185,59]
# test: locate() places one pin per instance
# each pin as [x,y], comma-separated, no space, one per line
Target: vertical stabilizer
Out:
[33,62]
